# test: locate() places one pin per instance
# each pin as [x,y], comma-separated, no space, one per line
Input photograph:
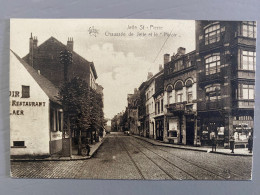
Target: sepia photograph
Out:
[138,99]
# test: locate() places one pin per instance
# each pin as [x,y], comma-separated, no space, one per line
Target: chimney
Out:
[181,51]
[150,75]
[160,67]
[135,92]
[39,72]
[33,43]
[70,44]
[166,58]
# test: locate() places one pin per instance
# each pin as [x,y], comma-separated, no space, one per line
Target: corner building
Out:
[226,62]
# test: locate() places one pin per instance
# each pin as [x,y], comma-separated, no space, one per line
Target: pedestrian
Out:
[87,147]
[214,143]
[250,144]
[232,144]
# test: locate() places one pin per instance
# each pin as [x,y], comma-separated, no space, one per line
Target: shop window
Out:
[18,144]
[248,60]
[25,91]
[212,34]
[249,29]
[212,64]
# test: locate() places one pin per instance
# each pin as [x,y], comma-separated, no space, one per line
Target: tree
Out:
[75,95]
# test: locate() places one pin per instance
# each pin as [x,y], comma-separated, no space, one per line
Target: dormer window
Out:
[212,34]
[178,65]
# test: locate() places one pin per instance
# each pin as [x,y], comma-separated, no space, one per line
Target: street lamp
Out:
[66,60]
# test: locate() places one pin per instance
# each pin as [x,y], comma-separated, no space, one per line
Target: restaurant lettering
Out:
[15,103]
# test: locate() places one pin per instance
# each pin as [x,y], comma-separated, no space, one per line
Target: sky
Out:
[123,50]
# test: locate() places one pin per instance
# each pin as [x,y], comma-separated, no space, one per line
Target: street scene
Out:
[132,99]
[127,157]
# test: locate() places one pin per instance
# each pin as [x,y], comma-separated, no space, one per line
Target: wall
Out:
[31,126]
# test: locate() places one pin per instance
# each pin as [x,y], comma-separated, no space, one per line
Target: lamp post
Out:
[66,60]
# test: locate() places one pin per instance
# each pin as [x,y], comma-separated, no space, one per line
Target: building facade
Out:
[45,58]
[180,88]
[226,61]
[36,116]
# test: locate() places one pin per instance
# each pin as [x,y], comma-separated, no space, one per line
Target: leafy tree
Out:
[75,96]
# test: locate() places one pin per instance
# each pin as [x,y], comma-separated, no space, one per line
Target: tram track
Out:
[191,163]
[132,160]
[160,167]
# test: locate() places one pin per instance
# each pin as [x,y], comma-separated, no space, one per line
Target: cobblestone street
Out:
[126,157]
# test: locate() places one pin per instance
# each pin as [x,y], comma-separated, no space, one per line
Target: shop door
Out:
[189,133]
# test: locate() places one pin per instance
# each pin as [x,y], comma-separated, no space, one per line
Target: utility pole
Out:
[66,60]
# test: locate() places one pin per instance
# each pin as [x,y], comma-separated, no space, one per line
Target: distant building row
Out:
[207,92]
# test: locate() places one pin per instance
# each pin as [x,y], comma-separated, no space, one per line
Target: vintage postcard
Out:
[132,99]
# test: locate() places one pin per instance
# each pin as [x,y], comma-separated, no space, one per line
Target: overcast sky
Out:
[121,62]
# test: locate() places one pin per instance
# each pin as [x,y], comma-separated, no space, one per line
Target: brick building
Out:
[226,79]
[45,59]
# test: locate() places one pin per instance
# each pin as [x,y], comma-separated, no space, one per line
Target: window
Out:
[178,65]
[248,60]
[179,96]
[158,103]
[212,63]
[248,92]
[189,96]
[25,91]
[18,144]
[169,94]
[249,29]
[161,105]
[212,34]
[213,92]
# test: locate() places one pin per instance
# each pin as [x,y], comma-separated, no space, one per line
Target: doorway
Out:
[190,133]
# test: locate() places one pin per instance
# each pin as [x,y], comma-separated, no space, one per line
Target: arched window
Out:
[169,94]
[212,34]
[213,92]
[212,63]
[179,91]
[189,90]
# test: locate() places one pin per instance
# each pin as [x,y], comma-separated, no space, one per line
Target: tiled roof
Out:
[51,91]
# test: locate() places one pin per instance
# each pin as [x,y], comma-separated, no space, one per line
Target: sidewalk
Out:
[93,150]
[237,152]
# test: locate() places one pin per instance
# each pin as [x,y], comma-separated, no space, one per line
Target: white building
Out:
[36,116]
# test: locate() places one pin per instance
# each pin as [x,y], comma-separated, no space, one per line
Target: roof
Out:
[51,91]
[53,39]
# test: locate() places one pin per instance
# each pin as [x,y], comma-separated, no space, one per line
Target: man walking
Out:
[214,144]
[250,143]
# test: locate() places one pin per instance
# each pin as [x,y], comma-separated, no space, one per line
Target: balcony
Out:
[177,107]
[212,78]
[206,106]
[245,74]
[244,104]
